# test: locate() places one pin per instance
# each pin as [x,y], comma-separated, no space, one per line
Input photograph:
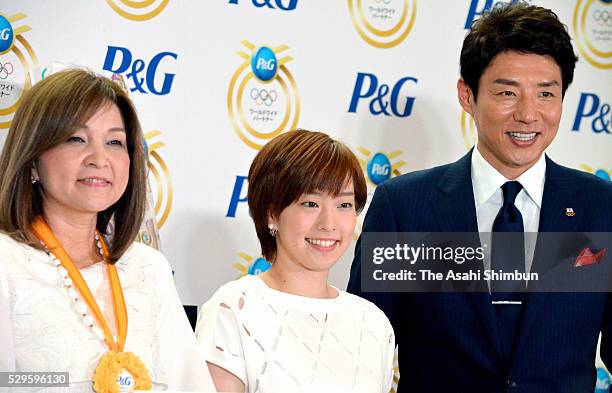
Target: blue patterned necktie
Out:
[508,255]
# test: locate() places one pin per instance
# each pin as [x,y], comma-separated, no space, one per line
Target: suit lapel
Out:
[560,189]
[455,211]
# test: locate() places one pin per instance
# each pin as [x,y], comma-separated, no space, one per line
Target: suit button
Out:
[511,384]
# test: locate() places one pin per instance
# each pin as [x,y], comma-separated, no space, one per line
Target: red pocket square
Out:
[588,257]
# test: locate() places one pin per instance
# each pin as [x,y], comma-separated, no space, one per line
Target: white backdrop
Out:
[321,48]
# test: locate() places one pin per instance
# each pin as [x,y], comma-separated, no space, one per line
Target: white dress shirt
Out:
[488,198]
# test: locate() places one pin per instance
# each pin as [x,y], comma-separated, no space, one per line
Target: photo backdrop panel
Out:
[214,81]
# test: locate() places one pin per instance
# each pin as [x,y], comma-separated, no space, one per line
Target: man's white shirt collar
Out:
[486,180]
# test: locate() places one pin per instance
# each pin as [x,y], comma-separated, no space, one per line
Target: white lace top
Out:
[41,330]
[278,342]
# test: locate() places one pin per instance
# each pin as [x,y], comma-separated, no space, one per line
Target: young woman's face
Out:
[315,230]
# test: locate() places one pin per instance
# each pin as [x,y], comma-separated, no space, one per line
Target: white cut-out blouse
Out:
[278,342]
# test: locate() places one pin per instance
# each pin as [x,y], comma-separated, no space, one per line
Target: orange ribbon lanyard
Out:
[45,234]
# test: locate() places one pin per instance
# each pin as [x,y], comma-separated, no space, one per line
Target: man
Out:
[516,64]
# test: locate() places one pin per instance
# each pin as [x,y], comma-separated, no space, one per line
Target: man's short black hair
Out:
[516,27]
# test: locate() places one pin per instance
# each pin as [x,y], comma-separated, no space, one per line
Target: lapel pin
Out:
[569,212]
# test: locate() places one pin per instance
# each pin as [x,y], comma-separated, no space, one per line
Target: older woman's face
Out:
[89,171]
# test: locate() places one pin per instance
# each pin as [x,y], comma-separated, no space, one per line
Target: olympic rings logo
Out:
[6,69]
[263,96]
[603,17]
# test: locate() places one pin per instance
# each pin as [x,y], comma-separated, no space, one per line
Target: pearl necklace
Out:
[79,305]
[108,373]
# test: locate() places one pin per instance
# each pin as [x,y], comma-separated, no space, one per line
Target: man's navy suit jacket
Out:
[448,342]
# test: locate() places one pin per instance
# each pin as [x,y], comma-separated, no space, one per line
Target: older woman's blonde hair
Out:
[48,115]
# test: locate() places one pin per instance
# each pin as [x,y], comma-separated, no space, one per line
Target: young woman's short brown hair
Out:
[295,163]
[49,114]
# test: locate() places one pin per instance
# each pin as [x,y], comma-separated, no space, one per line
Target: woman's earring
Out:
[33,174]
[273,231]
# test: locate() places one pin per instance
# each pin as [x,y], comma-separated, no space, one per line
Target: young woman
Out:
[288,329]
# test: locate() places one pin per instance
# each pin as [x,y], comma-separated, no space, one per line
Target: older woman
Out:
[288,329]
[73,162]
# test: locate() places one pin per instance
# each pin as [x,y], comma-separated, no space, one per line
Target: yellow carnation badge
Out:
[120,372]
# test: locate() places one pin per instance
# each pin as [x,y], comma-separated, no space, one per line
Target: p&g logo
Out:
[17,61]
[7,36]
[262,98]
[603,381]
[598,112]
[259,266]
[250,265]
[237,195]
[601,173]
[125,382]
[383,99]
[137,67]
[264,64]
[379,166]
[479,7]
[285,5]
